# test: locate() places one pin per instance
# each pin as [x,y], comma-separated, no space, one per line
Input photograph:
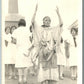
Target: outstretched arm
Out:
[59,30]
[34,15]
[60,20]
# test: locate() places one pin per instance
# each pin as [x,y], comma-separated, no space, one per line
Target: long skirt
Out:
[9,54]
[48,74]
[73,59]
[48,70]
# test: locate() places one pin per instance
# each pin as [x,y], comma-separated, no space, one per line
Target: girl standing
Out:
[73,59]
[12,70]
[22,43]
[7,52]
[61,59]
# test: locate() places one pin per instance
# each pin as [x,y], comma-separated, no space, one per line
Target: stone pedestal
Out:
[13,17]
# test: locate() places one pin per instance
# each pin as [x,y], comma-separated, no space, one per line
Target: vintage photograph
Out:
[40,41]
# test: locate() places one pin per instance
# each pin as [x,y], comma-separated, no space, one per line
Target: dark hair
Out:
[11,28]
[22,22]
[7,28]
[47,17]
[75,29]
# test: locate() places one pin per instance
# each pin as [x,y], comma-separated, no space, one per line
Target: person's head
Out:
[12,29]
[7,30]
[46,21]
[74,31]
[22,22]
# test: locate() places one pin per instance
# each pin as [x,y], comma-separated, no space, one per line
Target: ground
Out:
[33,80]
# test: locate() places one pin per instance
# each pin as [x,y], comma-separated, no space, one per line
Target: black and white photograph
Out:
[41,42]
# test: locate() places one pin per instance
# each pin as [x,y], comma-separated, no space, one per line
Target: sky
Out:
[69,10]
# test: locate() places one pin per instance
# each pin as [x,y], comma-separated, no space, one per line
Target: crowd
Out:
[43,48]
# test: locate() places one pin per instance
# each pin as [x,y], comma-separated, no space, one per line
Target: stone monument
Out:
[13,17]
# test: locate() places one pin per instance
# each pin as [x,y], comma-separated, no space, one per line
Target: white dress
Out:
[73,59]
[7,51]
[73,51]
[61,58]
[21,35]
[13,52]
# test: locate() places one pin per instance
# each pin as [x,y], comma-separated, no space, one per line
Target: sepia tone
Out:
[34,70]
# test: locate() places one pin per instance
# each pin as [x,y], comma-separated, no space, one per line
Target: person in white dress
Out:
[73,59]
[61,58]
[7,41]
[6,48]
[12,70]
[45,36]
[9,59]
[22,43]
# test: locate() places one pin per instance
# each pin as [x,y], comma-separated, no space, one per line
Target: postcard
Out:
[41,41]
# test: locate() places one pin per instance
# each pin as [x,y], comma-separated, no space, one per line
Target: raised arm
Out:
[60,20]
[34,15]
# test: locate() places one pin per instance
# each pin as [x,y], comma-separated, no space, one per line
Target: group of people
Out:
[44,44]
[9,52]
